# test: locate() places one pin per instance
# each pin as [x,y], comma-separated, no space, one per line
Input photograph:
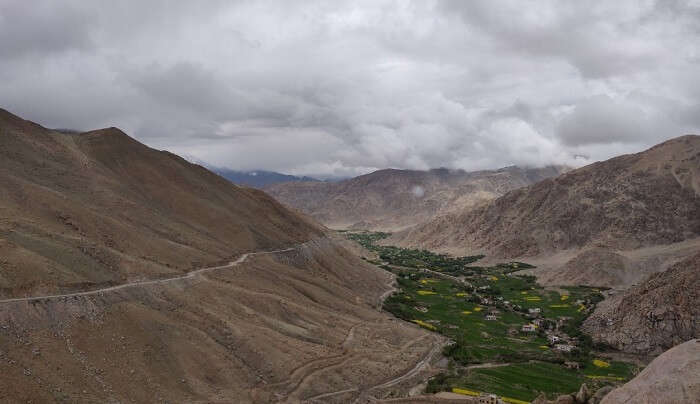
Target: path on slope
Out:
[187,275]
[422,364]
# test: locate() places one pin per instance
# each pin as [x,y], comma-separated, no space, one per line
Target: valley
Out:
[128,274]
[508,335]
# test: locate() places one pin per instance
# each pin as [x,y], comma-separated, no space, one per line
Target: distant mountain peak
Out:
[258,178]
[391,199]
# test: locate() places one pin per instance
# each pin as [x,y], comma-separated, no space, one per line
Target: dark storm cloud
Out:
[341,88]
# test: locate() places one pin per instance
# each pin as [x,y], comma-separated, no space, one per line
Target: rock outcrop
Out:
[652,317]
[582,396]
[673,377]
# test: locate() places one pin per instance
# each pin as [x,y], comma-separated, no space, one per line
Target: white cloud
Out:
[418,191]
[342,88]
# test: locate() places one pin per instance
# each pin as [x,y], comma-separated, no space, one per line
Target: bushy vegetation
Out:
[412,258]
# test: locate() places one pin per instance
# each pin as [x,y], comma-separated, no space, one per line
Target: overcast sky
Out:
[331,88]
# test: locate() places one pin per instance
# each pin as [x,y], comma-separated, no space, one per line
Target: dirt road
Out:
[188,275]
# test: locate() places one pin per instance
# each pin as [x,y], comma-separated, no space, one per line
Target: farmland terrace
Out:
[508,335]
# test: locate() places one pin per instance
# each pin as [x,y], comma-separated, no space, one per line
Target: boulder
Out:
[598,396]
[565,399]
[673,377]
[583,394]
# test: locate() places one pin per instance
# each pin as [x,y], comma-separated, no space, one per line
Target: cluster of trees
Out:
[412,258]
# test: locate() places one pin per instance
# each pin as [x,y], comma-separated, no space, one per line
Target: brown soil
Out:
[91,211]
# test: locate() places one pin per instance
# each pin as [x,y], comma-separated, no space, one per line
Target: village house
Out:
[562,320]
[563,347]
[572,365]
[421,309]
[534,310]
[489,399]
[491,317]
[529,328]
[553,338]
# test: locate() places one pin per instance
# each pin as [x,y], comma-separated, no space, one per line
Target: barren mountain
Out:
[652,317]
[99,208]
[109,293]
[673,377]
[395,199]
[626,203]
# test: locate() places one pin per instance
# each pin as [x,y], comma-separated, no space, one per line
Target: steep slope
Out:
[625,203]
[395,199]
[659,313]
[99,208]
[293,315]
[673,377]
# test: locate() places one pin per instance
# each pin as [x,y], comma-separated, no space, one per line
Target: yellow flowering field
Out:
[594,377]
[601,363]
[466,392]
[514,400]
[424,324]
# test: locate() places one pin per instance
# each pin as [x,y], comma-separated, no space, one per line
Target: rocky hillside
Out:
[639,200]
[395,199]
[673,377]
[98,208]
[654,316]
[99,236]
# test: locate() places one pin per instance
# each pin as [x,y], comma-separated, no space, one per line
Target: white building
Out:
[563,347]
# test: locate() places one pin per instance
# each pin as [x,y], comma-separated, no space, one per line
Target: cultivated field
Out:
[510,336]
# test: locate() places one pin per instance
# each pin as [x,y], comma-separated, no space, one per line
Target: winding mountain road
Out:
[304,372]
[188,275]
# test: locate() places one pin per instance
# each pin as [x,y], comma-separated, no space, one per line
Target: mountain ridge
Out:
[128,274]
[98,198]
[624,206]
[259,178]
[601,184]
[392,199]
